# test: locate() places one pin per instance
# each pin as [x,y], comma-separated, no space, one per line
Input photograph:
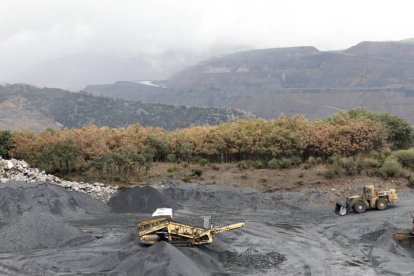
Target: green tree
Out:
[5,143]
[113,165]
[62,157]
[399,130]
[146,158]
[160,146]
[185,151]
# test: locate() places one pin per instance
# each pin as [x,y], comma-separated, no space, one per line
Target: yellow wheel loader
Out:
[370,198]
[162,228]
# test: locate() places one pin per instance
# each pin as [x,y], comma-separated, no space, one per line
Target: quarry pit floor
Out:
[46,230]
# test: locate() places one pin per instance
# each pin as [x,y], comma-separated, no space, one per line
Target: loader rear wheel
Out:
[359,207]
[382,204]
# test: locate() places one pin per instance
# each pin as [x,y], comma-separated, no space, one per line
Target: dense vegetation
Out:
[352,140]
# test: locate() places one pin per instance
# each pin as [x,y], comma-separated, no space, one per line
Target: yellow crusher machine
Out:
[164,228]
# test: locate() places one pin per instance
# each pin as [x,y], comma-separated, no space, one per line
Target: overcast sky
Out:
[34,32]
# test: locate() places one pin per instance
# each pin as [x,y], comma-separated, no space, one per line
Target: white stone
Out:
[9,165]
[23,172]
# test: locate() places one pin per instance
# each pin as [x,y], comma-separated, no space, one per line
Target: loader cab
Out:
[369,192]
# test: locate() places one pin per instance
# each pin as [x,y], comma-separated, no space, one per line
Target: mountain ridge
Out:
[26,106]
[373,75]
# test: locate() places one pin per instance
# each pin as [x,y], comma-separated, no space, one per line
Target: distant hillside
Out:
[23,106]
[375,75]
[366,65]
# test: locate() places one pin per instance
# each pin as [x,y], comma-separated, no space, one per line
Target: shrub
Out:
[273,164]
[330,173]
[405,157]
[196,172]
[411,179]
[372,163]
[312,161]
[171,157]
[392,168]
[285,163]
[295,160]
[171,169]
[306,166]
[350,165]
[258,164]
[203,162]
[243,165]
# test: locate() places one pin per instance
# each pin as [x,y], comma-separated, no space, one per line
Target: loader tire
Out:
[359,207]
[382,204]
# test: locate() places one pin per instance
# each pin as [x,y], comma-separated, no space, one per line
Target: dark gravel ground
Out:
[46,230]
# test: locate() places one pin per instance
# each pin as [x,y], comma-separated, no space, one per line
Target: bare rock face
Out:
[19,170]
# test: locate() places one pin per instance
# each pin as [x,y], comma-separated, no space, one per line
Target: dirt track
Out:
[281,237]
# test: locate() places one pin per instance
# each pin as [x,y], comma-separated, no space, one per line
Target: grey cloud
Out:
[103,34]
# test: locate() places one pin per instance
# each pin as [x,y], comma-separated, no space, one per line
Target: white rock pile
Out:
[19,170]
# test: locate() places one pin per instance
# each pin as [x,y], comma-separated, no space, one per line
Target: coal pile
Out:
[33,216]
[139,200]
[39,231]
[18,198]
[159,259]
[252,258]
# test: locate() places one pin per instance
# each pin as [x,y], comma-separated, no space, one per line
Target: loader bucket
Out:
[402,236]
[405,239]
[340,209]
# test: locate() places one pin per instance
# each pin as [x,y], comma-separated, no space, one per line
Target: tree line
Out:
[110,152]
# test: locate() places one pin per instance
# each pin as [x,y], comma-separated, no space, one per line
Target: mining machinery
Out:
[371,198]
[406,237]
[164,228]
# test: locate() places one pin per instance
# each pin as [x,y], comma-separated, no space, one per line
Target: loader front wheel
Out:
[382,204]
[359,207]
